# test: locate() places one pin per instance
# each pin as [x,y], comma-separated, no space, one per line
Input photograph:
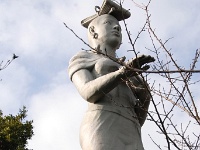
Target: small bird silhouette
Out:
[15,56]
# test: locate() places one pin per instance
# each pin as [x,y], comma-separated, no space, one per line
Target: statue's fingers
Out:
[140,61]
[146,67]
[132,62]
[150,59]
[146,59]
[137,62]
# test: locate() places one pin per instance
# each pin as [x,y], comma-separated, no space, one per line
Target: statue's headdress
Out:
[108,7]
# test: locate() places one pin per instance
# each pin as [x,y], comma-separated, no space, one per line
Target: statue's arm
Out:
[92,89]
[140,88]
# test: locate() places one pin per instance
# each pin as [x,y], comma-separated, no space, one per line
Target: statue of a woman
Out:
[116,109]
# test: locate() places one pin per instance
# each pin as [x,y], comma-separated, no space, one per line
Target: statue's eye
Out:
[107,22]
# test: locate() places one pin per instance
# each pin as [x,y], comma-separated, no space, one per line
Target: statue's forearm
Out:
[97,88]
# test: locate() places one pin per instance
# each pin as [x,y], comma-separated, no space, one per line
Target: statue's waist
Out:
[126,112]
[122,101]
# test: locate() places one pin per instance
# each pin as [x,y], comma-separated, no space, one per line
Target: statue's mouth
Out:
[116,33]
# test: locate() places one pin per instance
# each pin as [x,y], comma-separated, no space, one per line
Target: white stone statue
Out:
[116,110]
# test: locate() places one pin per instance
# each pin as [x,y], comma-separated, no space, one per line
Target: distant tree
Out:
[15,131]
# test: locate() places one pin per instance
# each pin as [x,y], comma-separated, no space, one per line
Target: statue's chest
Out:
[104,66]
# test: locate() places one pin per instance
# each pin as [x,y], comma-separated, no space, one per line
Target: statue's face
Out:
[108,29]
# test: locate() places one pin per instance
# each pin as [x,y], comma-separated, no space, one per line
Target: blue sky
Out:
[38,79]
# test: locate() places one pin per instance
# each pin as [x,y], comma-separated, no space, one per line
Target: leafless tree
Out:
[173,109]
[174,98]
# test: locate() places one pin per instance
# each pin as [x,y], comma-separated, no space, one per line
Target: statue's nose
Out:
[116,27]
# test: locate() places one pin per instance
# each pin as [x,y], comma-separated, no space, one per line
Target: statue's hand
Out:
[140,62]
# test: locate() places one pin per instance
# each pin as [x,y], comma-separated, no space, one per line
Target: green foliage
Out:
[15,131]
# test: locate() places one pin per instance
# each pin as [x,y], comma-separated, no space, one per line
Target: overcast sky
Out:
[38,79]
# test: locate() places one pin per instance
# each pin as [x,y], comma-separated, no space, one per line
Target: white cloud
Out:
[57,112]
[14,87]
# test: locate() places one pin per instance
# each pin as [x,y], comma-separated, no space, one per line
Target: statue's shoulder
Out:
[82,60]
[83,55]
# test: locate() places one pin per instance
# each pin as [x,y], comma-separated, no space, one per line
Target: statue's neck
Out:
[107,50]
